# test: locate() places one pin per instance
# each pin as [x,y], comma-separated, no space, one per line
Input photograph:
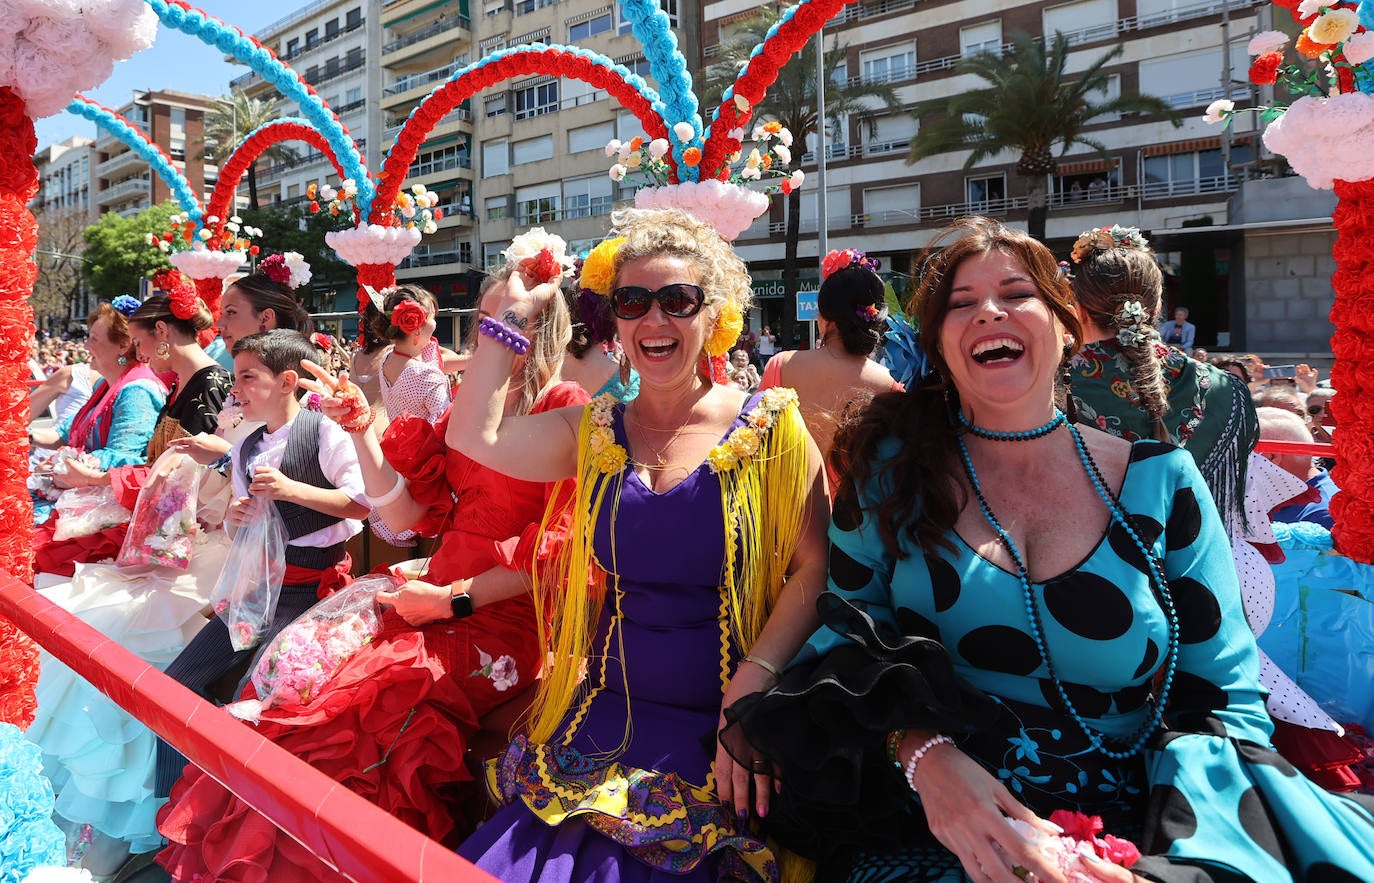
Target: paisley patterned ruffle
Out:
[658,818]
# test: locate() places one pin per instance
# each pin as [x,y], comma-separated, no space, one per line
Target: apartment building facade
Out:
[64,206]
[175,121]
[1168,181]
[65,177]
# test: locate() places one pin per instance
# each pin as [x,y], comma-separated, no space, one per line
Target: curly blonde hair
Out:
[652,232]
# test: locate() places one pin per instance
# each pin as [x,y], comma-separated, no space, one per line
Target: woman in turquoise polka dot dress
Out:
[1026,616]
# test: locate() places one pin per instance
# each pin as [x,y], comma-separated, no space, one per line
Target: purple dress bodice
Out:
[661,652]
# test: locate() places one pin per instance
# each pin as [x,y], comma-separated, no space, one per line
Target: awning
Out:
[1085,167]
[1213,143]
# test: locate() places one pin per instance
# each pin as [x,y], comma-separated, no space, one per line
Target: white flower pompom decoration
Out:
[729,208]
[541,255]
[52,49]
[1325,139]
[373,244]
[201,263]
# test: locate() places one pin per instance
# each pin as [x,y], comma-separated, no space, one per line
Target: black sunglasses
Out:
[681,300]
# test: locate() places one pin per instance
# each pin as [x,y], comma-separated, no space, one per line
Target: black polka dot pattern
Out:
[1261,756]
[913,623]
[846,514]
[1147,664]
[1199,614]
[1000,648]
[1144,450]
[1192,699]
[1176,818]
[1088,702]
[1089,606]
[1325,872]
[1146,528]
[1131,698]
[1255,821]
[1185,521]
[944,583]
[846,573]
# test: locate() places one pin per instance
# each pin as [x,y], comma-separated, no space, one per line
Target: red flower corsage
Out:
[867,313]
[274,266]
[181,294]
[322,340]
[543,266]
[409,316]
[843,259]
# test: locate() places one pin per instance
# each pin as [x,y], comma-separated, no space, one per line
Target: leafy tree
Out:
[792,101]
[232,120]
[1030,106]
[117,250]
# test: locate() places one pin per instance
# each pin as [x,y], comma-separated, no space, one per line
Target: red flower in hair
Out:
[543,266]
[409,316]
[181,294]
[322,340]
[274,266]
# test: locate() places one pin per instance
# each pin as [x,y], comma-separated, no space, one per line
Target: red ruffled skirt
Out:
[393,726]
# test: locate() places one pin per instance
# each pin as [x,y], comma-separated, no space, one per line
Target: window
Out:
[355,58]
[1199,171]
[331,29]
[1102,96]
[589,28]
[491,254]
[293,46]
[537,204]
[332,100]
[1189,79]
[587,196]
[331,67]
[627,125]
[576,93]
[176,144]
[465,252]
[353,96]
[836,207]
[525,7]
[987,193]
[889,64]
[985,37]
[668,6]
[593,137]
[440,159]
[891,133]
[892,205]
[312,37]
[495,105]
[354,18]
[533,101]
[1081,22]
[532,150]
[495,157]
[1087,180]
[312,74]
[1152,13]
[498,207]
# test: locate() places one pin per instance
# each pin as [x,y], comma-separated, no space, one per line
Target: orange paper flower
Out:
[692,156]
[1307,47]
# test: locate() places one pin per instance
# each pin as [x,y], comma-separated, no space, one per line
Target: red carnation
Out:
[181,295]
[274,267]
[322,340]
[1265,70]
[543,267]
[1077,825]
[1117,851]
[409,316]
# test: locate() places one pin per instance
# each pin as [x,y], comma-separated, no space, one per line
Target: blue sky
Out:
[174,61]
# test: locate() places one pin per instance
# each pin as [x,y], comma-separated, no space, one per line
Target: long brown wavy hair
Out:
[921,491]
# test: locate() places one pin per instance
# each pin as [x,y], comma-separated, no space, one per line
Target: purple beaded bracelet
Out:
[504,335]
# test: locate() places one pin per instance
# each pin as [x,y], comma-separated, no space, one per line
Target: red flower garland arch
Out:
[276,132]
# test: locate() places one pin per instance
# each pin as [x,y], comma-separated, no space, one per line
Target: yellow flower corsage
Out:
[729,324]
[746,441]
[598,270]
[608,455]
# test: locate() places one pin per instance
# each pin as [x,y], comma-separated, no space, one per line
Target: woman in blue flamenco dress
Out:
[1026,616]
[689,576]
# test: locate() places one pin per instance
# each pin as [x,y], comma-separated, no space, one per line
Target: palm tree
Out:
[791,100]
[1031,107]
[233,119]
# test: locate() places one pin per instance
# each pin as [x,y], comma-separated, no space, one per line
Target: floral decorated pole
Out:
[376,249]
[207,253]
[1326,135]
[48,52]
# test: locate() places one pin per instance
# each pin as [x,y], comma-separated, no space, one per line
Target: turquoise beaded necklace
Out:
[1159,583]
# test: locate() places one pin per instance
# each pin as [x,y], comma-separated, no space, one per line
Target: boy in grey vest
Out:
[308,468]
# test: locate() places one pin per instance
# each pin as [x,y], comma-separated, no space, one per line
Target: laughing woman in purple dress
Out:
[694,560]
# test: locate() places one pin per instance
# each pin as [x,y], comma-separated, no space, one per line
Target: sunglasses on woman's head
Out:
[681,300]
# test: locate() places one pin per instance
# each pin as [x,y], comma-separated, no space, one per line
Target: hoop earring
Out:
[164,349]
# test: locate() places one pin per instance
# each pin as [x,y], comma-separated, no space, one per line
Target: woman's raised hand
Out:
[521,299]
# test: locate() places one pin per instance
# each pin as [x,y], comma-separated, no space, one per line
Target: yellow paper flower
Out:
[611,460]
[721,459]
[729,324]
[598,271]
[744,442]
[600,440]
[1333,26]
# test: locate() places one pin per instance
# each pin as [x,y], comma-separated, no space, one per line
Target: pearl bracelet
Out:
[504,335]
[910,770]
[390,496]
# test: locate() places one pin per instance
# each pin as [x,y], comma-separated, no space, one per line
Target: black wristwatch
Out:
[461,605]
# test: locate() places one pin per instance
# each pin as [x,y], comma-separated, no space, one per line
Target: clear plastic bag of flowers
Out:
[300,660]
[163,528]
[245,596]
[84,511]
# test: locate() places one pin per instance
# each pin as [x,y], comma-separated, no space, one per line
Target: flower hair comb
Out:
[1105,238]
[843,259]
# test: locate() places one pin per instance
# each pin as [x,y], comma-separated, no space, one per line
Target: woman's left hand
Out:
[733,781]
[80,475]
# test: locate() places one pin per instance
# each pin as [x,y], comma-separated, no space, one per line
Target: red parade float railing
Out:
[351,835]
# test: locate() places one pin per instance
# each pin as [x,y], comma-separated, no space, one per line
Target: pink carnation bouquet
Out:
[1080,846]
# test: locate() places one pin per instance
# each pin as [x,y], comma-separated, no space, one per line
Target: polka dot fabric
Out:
[1218,794]
[420,389]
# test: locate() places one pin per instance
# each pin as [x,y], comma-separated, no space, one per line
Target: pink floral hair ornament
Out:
[289,269]
[322,340]
[843,259]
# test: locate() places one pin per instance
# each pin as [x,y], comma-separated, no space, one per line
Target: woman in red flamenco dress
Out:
[394,722]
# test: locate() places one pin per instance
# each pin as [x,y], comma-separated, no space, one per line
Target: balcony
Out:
[435,255]
[443,25]
[123,190]
[444,164]
[435,75]
[862,11]
[594,208]
[119,162]
[895,74]
[457,115]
